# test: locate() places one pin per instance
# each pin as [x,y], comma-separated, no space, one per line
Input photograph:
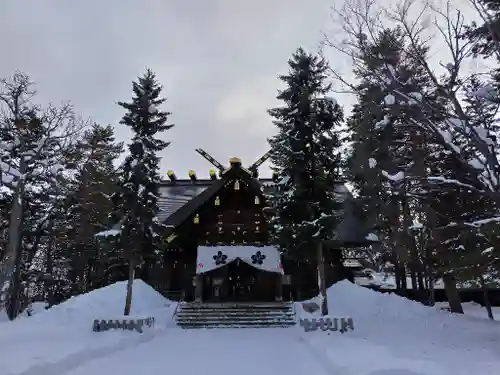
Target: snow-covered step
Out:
[235,315]
[266,307]
[236,319]
[232,325]
[218,323]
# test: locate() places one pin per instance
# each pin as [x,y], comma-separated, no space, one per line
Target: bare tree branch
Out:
[449,24]
[33,142]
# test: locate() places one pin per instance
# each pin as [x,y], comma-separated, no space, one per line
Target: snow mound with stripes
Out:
[64,333]
[105,303]
[397,336]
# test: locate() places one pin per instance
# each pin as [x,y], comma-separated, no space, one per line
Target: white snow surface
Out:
[397,177]
[392,336]
[372,162]
[396,336]
[108,233]
[387,280]
[389,100]
[55,339]
[473,309]
[108,302]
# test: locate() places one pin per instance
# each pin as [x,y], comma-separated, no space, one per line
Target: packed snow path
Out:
[219,351]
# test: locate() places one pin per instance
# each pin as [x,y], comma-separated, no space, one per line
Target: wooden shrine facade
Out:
[218,242]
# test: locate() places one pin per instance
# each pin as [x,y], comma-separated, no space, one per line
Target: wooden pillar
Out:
[279,288]
[321,277]
[168,266]
[198,291]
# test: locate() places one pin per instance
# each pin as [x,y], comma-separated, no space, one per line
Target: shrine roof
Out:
[180,198]
[176,194]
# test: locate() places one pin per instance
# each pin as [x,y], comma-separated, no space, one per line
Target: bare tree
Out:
[361,18]
[423,24]
[32,141]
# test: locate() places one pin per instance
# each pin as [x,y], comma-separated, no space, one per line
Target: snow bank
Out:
[390,330]
[63,334]
[107,302]
[376,313]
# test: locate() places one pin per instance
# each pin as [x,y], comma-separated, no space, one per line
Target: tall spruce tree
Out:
[137,199]
[305,156]
[89,204]
[401,170]
[380,162]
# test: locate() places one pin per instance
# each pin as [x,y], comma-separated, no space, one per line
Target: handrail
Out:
[293,306]
[181,300]
[175,312]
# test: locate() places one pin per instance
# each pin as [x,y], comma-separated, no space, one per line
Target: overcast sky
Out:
[217,59]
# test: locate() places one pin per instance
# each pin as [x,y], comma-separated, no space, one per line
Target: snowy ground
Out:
[474,309]
[63,337]
[393,336]
[396,336]
[387,280]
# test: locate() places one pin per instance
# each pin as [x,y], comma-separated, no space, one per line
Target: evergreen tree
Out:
[137,199]
[89,204]
[398,168]
[305,155]
[381,159]
[487,34]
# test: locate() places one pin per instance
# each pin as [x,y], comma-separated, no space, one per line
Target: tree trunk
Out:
[420,281]
[429,274]
[487,302]
[413,277]
[402,275]
[432,296]
[16,285]
[397,276]
[422,292]
[49,267]
[321,279]
[406,249]
[9,262]
[452,294]
[130,283]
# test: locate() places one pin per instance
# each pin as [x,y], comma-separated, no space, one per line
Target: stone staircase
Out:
[235,315]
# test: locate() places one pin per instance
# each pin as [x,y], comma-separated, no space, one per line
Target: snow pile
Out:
[396,334]
[106,303]
[3,317]
[63,334]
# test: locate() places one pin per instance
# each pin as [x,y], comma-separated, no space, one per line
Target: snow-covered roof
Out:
[352,263]
[180,197]
[174,195]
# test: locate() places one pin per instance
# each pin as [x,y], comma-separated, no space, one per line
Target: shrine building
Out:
[218,246]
